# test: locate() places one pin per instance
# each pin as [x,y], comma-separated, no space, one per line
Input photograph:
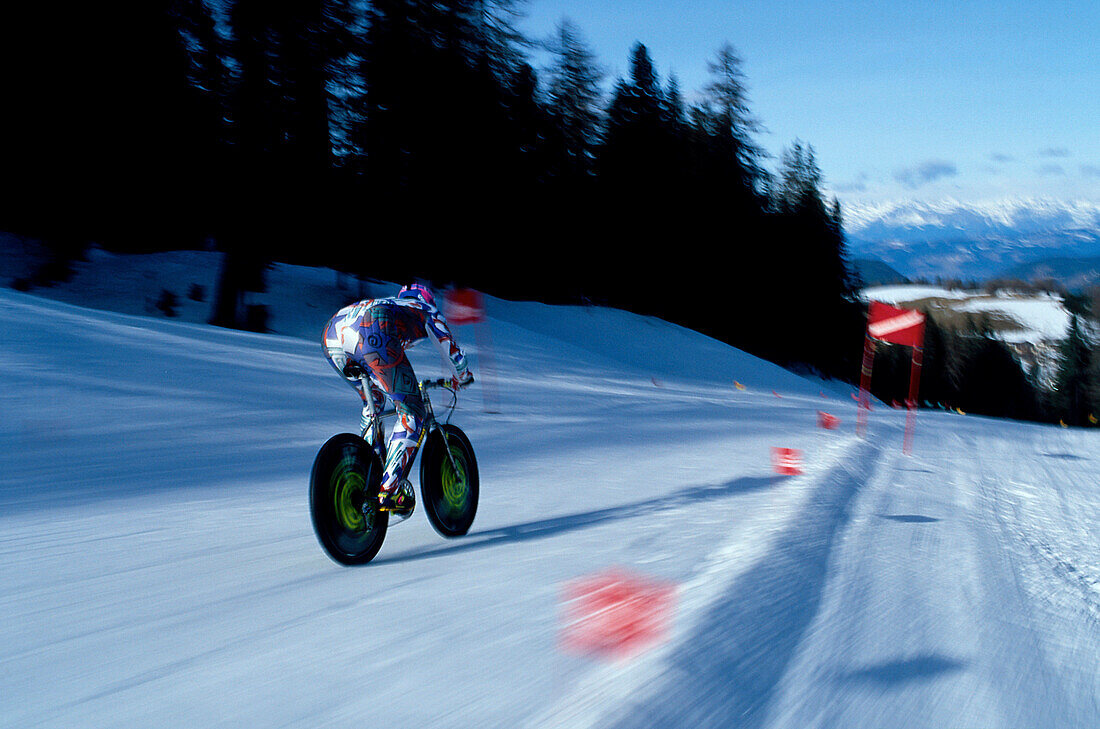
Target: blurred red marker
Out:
[856,398]
[787,461]
[827,421]
[614,614]
[464,306]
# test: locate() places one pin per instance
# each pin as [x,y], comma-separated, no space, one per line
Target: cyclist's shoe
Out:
[400,499]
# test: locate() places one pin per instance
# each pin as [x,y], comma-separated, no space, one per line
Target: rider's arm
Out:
[440,334]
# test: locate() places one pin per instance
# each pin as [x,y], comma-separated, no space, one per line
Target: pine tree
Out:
[635,139]
[527,128]
[573,103]
[733,125]
[1073,374]
[811,236]
[209,92]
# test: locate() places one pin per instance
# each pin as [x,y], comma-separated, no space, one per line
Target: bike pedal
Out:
[399,514]
[396,517]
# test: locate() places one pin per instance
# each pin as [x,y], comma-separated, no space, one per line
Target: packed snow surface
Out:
[1037,317]
[900,293]
[158,567]
[1040,317]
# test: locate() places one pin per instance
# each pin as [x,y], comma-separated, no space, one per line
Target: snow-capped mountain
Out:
[972,240]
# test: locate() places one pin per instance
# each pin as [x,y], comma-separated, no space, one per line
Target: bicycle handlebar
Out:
[443,383]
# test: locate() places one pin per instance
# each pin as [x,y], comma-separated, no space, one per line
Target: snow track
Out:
[743,615]
[157,565]
[938,612]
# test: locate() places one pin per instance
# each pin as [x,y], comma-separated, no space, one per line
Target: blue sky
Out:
[922,100]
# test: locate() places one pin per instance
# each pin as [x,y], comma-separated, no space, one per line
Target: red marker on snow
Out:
[787,461]
[615,614]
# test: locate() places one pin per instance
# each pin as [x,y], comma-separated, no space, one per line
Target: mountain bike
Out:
[347,476]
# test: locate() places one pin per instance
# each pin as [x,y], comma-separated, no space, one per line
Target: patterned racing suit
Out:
[374,334]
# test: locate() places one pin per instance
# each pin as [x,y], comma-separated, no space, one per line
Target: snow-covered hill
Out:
[157,565]
[1033,324]
[952,239]
[1033,318]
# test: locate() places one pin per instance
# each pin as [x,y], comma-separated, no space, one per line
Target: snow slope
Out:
[1038,318]
[157,565]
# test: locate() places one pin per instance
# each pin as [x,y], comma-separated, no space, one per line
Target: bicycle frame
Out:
[430,423]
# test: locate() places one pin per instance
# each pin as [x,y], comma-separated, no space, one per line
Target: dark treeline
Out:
[970,369]
[404,138]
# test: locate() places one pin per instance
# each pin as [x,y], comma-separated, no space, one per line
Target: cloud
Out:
[1050,170]
[856,186]
[922,174]
[1090,170]
[1059,152]
[859,184]
[1000,157]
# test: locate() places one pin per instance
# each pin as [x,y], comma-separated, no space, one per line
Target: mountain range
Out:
[975,241]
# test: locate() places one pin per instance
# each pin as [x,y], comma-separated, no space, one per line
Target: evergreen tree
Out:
[527,129]
[733,127]
[573,102]
[636,180]
[635,139]
[439,77]
[210,88]
[1073,374]
[993,382]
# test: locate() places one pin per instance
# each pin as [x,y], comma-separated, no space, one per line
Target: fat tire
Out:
[343,544]
[432,461]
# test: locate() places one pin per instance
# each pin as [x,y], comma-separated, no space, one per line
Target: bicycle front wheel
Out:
[449,481]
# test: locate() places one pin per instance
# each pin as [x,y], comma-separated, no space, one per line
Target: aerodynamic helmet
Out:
[416,291]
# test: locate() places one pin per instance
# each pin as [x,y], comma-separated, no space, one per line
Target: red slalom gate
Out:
[787,461]
[615,614]
[466,306]
[897,326]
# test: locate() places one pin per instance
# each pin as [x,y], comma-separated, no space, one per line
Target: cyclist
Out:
[371,337]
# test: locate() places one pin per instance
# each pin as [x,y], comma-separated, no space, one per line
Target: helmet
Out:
[416,291]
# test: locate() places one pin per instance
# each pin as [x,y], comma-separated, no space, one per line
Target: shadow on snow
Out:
[546,528]
[739,651]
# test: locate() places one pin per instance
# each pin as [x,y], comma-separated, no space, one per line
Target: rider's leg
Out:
[401,449]
[391,370]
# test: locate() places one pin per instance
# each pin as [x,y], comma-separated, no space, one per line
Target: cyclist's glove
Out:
[464,381]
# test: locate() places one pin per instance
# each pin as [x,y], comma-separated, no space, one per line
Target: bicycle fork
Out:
[431,424]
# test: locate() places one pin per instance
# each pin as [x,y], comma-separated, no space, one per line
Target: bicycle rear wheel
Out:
[449,486]
[346,475]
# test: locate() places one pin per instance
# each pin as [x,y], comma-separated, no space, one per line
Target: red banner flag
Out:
[464,307]
[894,325]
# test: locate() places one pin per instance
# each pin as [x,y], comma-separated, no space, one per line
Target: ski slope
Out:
[158,567]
